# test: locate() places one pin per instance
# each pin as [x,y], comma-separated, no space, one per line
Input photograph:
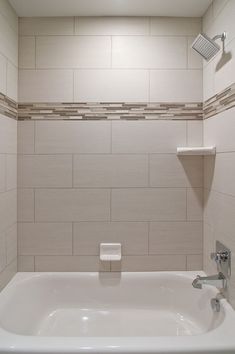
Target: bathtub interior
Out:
[107,305]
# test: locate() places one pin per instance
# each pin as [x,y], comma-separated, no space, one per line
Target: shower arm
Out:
[220,36]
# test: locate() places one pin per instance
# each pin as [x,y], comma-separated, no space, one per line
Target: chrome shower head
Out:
[206,47]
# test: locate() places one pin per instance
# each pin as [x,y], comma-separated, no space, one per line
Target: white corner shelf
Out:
[203,150]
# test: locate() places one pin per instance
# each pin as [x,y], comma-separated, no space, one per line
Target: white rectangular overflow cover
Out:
[110,252]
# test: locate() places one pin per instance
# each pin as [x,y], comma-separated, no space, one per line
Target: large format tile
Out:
[175,238]
[8,41]
[70,264]
[44,171]
[149,52]
[175,26]
[11,171]
[25,137]
[8,209]
[25,205]
[194,204]
[8,135]
[73,52]
[176,85]
[36,26]
[133,237]
[110,171]
[27,51]
[148,204]
[219,173]
[72,137]
[172,171]
[195,262]
[112,26]
[111,85]
[150,263]
[2,173]
[195,133]
[217,131]
[45,239]
[148,137]
[8,273]
[45,85]
[72,205]
[3,254]
[194,59]
[3,74]
[12,81]
[8,12]
[11,243]
[25,263]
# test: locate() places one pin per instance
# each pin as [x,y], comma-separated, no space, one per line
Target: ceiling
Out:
[184,8]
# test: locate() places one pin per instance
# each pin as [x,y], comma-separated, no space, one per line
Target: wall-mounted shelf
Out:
[203,150]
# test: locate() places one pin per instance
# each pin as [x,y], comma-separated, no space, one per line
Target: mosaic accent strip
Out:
[8,107]
[110,111]
[220,102]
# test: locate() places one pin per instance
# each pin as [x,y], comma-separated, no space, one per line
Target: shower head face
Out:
[205,46]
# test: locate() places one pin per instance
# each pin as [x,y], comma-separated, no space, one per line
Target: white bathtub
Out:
[157,312]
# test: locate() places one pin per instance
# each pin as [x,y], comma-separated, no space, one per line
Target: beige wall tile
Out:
[25,263]
[7,11]
[2,172]
[172,171]
[150,263]
[12,81]
[29,26]
[110,171]
[112,26]
[132,236]
[72,205]
[194,59]
[176,85]
[8,40]
[11,243]
[45,85]
[27,49]
[45,239]
[3,74]
[72,137]
[175,26]
[44,171]
[111,85]
[25,205]
[73,52]
[3,254]
[8,135]
[148,204]
[148,137]
[219,173]
[11,171]
[195,133]
[149,52]
[7,274]
[194,204]
[8,210]
[25,137]
[70,264]
[217,131]
[175,238]
[194,262]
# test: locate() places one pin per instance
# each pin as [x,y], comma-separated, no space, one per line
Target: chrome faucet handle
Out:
[221,256]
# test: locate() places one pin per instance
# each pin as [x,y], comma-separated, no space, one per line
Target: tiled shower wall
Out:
[219,130]
[8,143]
[84,182]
